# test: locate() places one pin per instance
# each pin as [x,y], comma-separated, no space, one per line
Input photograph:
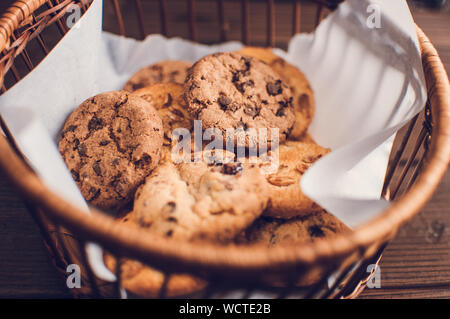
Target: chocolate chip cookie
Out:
[272,232]
[301,89]
[301,229]
[286,197]
[147,282]
[232,91]
[214,198]
[110,143]
[168,100]
[167,71]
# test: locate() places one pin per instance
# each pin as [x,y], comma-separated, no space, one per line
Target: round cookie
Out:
[232,91]
[303,94]
[293,159]
[167,71]
[301,229]
[110,143]
[147,282]
[168,100]
[214,198]
[272,232]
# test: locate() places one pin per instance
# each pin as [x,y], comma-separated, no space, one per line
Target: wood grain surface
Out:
[416,264]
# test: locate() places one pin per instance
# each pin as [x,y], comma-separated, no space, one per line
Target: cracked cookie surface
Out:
[167,71]
[286,197]
[303,94]
[168,100]
[214,199]
[110,143]
[229,90]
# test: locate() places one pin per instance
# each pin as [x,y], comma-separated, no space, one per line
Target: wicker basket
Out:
[418,161]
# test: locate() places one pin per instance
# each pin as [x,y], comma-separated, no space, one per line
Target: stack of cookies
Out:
[122,149]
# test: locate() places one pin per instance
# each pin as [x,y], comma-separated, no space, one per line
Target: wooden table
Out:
[415,265]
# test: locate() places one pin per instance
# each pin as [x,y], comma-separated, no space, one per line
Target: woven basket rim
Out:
[167,253]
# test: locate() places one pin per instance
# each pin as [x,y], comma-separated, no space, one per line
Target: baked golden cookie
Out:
[110,143]
[167,71]
[286,200]
[301,229]
[231,91]
[273,232]
[301,89]
[168,100]
[214,198]
[147,282]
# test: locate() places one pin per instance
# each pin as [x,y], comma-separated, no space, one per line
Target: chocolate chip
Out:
[169,101]
[104,142]
[136,86]
[95,123]
[171,206]
[122,102]
[169,233]
[288,131]
[251,110]
[274,88]
[82,149]
[283,105]
[242,126]
[224,101]
[75,175]
[243,86]
[143,223]
[177,113]
[76,143]
[115,161]
[172,219]
[97,169]
[232,168]
[246,62]
[143,162]
[95,192]
[316,231]
[281,111]
[70,128]
[236,77]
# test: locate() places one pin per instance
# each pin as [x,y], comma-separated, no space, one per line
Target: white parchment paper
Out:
[368,82]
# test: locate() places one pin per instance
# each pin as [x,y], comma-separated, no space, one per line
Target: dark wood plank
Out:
[25,270]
